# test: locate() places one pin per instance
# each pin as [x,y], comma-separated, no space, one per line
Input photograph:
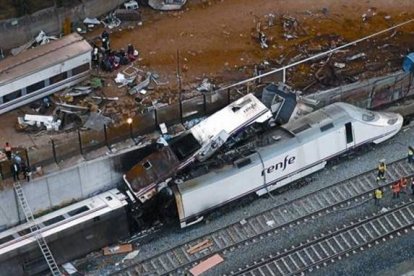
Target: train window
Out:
[53,220]
[78,211]
[301,128]
[109,198]
[147,165]
[24,232]
[369,116]
[34,87]
[6,239]
[80,69]
[12,96]
[58,78]
[326,127]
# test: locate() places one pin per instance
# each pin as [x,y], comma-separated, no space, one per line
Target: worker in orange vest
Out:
[396,188]
[403,185]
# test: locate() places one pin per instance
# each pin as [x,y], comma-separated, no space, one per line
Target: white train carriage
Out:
[43,70]
[70,232]
[198,143]
[291,152]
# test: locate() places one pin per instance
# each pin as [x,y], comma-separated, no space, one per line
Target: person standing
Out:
[15,171]
[378,193]
[412,185]
[403,185]
[410,155]
[8,150]
[382,168]
[395,189]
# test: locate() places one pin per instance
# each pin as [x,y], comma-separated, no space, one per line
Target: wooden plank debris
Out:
[117,249]
[199,246]
[206,264]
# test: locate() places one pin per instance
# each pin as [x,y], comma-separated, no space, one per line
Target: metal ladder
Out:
[35,229]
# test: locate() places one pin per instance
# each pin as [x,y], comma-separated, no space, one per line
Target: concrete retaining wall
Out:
[17,31]
[67,185]
[101,174]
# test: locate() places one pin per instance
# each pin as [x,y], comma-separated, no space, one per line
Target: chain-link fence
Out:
[369,94]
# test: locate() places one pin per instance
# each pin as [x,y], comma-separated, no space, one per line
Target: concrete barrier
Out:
[17,31]
[67,185]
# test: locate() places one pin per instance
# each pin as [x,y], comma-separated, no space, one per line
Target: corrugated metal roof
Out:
[41,57]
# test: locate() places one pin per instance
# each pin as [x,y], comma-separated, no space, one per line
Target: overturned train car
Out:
[282,155]
[70,233]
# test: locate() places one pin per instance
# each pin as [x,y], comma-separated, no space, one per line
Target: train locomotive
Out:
[259,157]
[282,155]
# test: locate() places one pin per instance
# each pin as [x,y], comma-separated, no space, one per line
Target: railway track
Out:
[333,245]
[342,194]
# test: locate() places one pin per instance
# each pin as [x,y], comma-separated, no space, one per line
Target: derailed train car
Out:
[70,233]
[282,155]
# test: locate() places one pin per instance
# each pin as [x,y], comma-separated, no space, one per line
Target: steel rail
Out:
[339,195]
[334,244]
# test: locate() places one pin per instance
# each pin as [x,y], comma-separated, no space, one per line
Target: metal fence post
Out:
[80,142]
[27,158]
[106,137]
[156,118]
[204,104]
[228,96]
[181,110]
[54,150]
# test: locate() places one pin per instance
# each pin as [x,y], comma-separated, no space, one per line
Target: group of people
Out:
[17,165]
[397,187]
[109,60]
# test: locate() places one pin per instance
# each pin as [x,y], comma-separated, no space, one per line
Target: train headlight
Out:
[392,121]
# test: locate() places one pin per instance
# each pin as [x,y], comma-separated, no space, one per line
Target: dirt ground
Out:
[218,39]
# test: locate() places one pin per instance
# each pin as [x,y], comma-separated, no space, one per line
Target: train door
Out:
[349,135]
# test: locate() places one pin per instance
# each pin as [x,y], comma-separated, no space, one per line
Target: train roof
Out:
[282,139]
[231,118]
[41,57]
[63,218]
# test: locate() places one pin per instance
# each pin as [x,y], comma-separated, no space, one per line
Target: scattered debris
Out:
[78,91]
[163,128]
[130,255]
[357,56]
[91,22]
[270,223]
[205,86]
[166,5]
[206,264]
[40,39]
[117,249]
[70,268]
[140,86]
[339,65]
[199,246]
[291,27]
[120,78]
[131,5]
[96,121]
[38,122]
[111,21]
